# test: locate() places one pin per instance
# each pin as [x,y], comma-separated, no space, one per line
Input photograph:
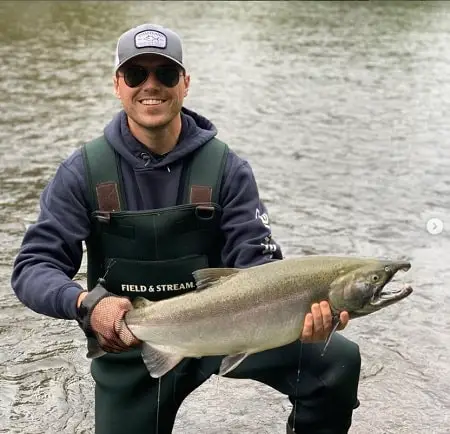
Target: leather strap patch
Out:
[200,194]
[108,196]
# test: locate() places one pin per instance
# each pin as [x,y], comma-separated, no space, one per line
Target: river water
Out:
[342,108]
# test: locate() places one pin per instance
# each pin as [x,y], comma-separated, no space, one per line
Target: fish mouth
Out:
[388,293]
[385,296]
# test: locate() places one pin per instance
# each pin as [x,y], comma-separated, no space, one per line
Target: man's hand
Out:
[109,326]
[105,319]
[318,323]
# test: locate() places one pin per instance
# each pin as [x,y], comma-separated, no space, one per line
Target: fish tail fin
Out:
[94,349]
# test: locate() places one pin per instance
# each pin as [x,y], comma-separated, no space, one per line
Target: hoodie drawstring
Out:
[146,158]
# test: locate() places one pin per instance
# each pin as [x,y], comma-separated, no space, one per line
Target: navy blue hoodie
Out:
[51,251]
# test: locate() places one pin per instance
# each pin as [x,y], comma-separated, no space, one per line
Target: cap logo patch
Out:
[150,38]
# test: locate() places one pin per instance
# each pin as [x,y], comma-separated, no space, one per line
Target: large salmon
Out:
[238,312]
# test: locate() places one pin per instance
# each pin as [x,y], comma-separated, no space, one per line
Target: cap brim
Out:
[149,52]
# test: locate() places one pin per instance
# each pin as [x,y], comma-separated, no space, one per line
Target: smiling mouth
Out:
[152,102]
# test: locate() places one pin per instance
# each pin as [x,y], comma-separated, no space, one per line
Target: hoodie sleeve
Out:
[245,221]
[51,250]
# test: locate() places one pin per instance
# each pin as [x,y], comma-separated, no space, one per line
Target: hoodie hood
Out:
[196,130]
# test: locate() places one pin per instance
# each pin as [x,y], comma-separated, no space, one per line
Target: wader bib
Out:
[152,254]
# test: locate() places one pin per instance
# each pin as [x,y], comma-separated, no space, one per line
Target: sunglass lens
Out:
[169,76]
[135,75]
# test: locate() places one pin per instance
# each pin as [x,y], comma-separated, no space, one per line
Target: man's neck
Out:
[158,140]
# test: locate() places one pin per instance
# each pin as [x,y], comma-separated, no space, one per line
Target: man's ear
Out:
[187,81]
[116,86]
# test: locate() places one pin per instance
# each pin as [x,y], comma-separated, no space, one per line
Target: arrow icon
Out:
[435,226]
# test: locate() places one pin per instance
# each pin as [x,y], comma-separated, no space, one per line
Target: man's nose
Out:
[151,80]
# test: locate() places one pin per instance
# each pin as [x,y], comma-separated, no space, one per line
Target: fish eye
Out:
[375,278]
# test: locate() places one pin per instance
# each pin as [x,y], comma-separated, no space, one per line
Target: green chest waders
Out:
[151,254]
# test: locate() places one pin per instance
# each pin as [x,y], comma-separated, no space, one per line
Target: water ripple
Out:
[342,110]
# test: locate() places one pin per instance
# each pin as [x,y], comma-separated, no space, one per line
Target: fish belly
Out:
[248,331]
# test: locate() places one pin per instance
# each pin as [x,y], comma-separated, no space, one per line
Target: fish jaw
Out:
[386,298]
[384,295]
[381,297]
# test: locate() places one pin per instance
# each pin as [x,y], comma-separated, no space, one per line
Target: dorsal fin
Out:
[207,277]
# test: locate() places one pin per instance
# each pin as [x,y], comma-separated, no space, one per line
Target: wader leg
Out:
[126,397]
[326,394]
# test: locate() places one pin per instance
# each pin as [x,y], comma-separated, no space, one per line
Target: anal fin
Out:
[159,362]
[231,362]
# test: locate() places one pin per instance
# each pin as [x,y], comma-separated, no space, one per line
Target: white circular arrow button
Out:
[435,226]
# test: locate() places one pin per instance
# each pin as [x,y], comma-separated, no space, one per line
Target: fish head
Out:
[368,288]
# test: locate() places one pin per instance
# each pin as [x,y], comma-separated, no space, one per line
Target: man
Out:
[155,198]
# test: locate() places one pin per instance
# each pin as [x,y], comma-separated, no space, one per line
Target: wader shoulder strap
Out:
[203,175]
[201,178]
[103,176]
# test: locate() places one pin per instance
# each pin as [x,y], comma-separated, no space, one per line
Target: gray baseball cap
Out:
[148,39]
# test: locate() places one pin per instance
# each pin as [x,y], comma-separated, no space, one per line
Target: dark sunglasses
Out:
[135,75]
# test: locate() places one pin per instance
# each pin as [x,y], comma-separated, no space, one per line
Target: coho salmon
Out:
[238,312]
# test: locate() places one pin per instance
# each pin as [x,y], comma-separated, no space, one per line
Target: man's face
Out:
[151,104]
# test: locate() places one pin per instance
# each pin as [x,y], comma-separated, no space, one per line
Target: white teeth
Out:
[152,101]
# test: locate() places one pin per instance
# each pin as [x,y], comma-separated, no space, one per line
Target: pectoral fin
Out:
[158,361]
[231,362]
